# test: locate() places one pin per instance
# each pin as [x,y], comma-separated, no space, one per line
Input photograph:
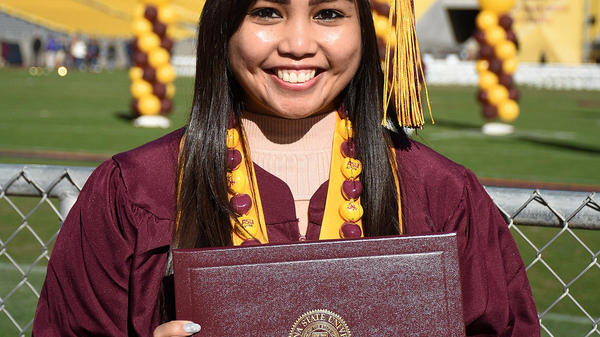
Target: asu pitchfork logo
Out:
[320,323]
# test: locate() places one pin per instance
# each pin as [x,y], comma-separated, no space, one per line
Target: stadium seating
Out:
[107,18]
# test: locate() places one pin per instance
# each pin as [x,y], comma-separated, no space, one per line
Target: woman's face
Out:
[294,57]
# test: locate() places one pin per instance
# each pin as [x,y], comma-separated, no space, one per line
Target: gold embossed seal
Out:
[320,323]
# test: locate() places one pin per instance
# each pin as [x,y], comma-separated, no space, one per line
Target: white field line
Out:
[10,267]
[566,318]
[476,133]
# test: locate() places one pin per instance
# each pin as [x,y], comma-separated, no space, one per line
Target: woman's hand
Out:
[176,329]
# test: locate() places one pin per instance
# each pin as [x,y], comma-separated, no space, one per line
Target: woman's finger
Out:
[177,329]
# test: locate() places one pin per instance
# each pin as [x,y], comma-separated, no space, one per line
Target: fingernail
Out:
[191,327]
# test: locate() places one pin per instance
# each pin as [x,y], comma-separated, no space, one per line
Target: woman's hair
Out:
[203,210]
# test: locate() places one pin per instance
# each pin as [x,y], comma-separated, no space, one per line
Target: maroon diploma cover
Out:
[388,286]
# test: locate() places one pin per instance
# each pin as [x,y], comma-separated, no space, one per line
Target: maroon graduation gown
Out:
[109,258]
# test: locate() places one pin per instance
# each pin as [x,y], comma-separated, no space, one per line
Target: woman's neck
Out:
[296,151]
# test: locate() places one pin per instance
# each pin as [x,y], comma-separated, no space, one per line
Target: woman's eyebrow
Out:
[310,3]
[316,2]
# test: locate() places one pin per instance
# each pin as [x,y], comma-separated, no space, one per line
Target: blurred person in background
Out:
[111,57]
[62,54]
[36,47]
[129,46]
[78,51]
[51,51]
[93,52]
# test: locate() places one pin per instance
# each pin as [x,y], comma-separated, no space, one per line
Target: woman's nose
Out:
[297,40]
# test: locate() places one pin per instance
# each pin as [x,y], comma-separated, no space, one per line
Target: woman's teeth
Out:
[296,76]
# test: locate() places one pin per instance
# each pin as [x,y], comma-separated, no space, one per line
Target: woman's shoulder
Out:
[162,152]
[432,185]
[148,174]
[421,163]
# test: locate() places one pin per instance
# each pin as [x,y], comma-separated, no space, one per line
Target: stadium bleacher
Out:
[103,18]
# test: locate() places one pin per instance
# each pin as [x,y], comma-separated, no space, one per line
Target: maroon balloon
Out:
[241,203]
[486,52]
[511,36]
[483,96]
[232,122]
[495,65]
[490,112]
[134,45]
[149,74]
[349,149]
[135,109]
[479,36]
[351,230]
[381,48]
[505,21]
[159,90]
[514,94]
[382,9]
[166,43]
[506,80]
[140,59]
[160,29]
[352,189]
[234,158]
[250,242]
[151,13]
[166,105]
[342,111]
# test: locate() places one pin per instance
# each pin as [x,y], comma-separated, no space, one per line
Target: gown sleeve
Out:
[87,281]
[497,299]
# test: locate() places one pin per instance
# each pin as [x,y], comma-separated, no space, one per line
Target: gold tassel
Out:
[403,55]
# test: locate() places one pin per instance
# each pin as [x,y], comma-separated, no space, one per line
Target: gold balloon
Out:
[497,6]
[487,80]
[508,111]
[148,41]
[494,35]
[486,19]
[392,40]
[135,73]
[140,88]
[166,14]
[170,90]
[381,25]
[506,50]
[149,105]
[156,2]
[158,57]
[497,95]
[165,74]
[509,66]
[140,26]
[482,65]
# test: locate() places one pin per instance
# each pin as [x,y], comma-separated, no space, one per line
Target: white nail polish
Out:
[192,328]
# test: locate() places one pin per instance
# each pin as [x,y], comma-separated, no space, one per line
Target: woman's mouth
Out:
[295,76]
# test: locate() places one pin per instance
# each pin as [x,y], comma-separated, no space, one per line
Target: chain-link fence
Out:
[558,234]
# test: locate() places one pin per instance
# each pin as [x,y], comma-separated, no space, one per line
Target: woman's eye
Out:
[265,13]
[328,14]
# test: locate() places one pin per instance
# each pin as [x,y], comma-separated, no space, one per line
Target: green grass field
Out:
[44,119]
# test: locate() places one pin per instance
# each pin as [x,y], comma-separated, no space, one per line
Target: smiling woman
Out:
[284,143]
